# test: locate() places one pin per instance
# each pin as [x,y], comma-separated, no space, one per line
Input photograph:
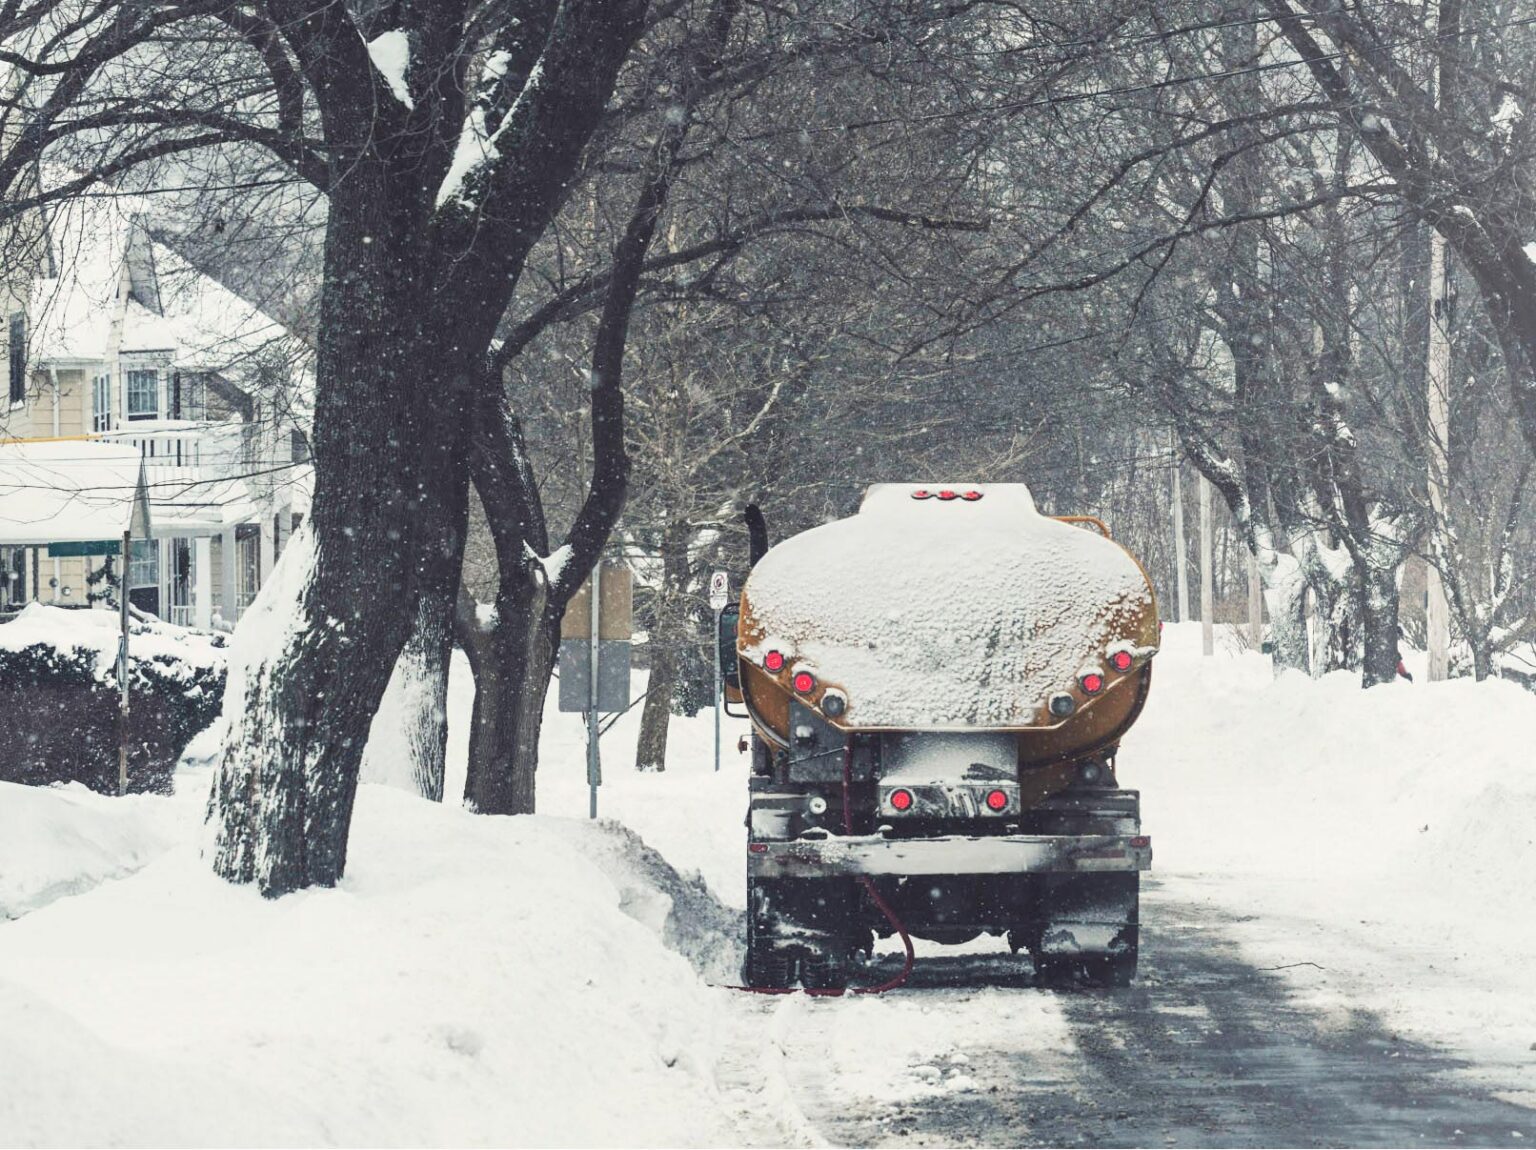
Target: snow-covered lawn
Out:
[519,981]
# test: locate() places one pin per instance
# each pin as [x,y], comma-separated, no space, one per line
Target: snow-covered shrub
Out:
[59,697]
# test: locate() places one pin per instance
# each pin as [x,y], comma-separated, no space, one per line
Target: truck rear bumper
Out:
[949,855]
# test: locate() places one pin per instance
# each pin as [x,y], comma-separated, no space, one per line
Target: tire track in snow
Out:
[1206,1049]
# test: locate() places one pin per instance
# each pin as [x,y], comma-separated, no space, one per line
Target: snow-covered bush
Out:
[59,697]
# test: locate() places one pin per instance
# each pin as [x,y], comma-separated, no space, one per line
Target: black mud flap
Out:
[1085,930]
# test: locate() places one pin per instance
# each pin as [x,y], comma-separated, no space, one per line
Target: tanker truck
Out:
[937,687]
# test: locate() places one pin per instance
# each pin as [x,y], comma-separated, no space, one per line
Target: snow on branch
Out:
[391,55]
[477,148]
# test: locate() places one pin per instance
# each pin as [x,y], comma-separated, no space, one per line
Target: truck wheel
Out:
[1102,970]
[1111,970]
[769,968]
[824,970]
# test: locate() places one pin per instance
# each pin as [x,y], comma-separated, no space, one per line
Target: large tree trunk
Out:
[1378,619]
[512,652]
[408,742]
[312,658]
[1285,599]
[655,718]
[667,634]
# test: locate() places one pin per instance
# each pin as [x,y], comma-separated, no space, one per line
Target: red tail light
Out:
[1121,661]
[948,495]
[1092,683]
[901,800]
[774,661]
[997,800]
[921,493]
[804,682]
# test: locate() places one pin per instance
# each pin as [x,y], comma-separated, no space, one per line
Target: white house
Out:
[118,340]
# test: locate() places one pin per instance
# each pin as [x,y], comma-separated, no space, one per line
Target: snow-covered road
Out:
[1207,1049]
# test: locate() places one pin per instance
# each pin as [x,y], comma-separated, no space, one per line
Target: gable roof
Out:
[119,290]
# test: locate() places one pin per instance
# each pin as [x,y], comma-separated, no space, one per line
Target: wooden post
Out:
[1438,622]
[122,670]
[1180,566]
[1207,597]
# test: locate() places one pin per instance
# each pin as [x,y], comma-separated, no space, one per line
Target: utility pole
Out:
[1207,596]
[1438,378]
[1180,566]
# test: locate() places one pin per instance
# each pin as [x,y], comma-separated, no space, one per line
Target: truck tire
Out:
[824,970]
[766,967]
[1106,970]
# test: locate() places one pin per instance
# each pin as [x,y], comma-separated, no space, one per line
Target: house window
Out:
[101,403]
[189,396]
[144,563]
[18,357]
[143,395]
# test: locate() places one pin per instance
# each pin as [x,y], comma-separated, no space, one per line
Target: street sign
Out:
[576,675]
[719,590]
[92,547]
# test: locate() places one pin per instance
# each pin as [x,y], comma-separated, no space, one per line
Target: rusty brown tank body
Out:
[938,686]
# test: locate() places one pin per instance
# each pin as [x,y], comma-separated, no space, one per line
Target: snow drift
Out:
[473,981]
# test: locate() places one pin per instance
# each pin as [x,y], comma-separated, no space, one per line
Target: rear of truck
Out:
[938,686]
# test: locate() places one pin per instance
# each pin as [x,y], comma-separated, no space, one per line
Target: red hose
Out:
[880,904]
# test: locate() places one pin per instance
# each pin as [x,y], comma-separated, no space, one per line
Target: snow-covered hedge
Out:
[59,697]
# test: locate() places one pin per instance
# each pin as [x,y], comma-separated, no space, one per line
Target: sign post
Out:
[594,657]
[138,527]
[594,761]
[719,594]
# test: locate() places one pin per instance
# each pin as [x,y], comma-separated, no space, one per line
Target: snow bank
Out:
[473,981]
[63,840]
[1382,835]
[1432,779]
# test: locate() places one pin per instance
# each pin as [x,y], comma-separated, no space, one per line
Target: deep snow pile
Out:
[63,840]
[1374,844]
[473,981]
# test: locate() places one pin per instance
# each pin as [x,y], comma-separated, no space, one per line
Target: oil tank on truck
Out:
[937,687]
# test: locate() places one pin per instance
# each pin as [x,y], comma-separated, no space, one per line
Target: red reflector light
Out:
[1142,841]
[758,848]
[1121,660]
[997,800]
[948,495]
[1092,683]
[971,496]
[922,494]
[804,682]
[774,660]
[901,800]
